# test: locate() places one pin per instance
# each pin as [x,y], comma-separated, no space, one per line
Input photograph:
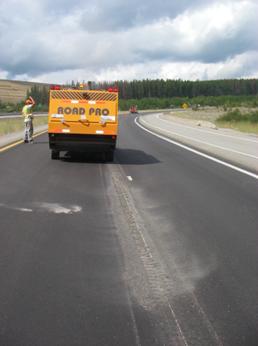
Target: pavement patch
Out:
[57,208]
[54,208]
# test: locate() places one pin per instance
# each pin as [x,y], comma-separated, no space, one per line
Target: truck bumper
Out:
[81,143]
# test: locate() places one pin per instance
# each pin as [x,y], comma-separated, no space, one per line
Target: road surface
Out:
[158,248]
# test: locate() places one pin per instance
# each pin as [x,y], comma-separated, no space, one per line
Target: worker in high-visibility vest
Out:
[28,120]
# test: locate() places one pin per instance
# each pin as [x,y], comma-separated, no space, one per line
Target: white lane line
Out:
[198,152]
[205,131]
[177,324]
[206,143]
[129,178]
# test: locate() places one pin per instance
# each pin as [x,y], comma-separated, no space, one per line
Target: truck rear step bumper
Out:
[82,143]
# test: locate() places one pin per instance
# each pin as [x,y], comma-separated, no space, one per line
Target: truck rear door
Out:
[84,105]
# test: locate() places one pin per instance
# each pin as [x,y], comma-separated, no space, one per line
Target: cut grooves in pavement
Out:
[148,281]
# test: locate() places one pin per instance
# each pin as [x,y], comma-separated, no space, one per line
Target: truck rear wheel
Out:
[110,156]
[55,155]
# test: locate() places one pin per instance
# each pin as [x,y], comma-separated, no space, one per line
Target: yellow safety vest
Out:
[27,112]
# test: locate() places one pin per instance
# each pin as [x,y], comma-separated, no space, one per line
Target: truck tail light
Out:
[55,87]
[112,90]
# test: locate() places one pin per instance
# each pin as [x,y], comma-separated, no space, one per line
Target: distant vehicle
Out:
[83,121]
[133,109]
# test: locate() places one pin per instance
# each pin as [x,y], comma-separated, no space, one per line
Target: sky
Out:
[56,41]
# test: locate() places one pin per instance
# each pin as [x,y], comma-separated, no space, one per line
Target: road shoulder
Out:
[11,138]
[179,132]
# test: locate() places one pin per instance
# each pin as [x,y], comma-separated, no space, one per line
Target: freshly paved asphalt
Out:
[88,257]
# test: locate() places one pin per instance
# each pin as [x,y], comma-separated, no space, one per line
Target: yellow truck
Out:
[83,121]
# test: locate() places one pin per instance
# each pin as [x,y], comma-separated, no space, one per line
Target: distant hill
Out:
[15,91]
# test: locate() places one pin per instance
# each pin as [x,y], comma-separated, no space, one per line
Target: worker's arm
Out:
[32,100]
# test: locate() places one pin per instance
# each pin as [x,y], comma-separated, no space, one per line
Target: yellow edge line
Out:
[9,146]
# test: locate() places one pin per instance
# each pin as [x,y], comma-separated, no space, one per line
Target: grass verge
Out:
[242,126]
[8,126]
[241,121]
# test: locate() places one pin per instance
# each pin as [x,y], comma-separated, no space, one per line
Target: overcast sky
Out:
[59,40]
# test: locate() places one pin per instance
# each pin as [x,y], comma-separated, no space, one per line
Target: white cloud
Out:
[3,74]
[243,65]
[113,40]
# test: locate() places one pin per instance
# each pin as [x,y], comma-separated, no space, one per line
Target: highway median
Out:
[12,129]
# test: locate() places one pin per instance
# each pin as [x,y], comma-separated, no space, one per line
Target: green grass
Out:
[237,116]
[241,121]
[15,125]
[11,107]
[243,126]
[244,120]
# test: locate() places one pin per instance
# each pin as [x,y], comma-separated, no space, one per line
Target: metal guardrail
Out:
[18,115]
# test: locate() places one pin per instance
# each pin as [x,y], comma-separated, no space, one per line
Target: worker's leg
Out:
[31,131]
[26,132]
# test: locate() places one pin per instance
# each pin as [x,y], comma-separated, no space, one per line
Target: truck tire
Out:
[55,155]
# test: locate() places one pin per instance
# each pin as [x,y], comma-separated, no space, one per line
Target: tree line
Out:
[40,94]
[160,88]
[160,93]
[164,93]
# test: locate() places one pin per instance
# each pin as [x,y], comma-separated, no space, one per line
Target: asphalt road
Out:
[158,248]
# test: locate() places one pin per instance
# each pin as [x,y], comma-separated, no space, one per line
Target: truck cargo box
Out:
[83,121]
